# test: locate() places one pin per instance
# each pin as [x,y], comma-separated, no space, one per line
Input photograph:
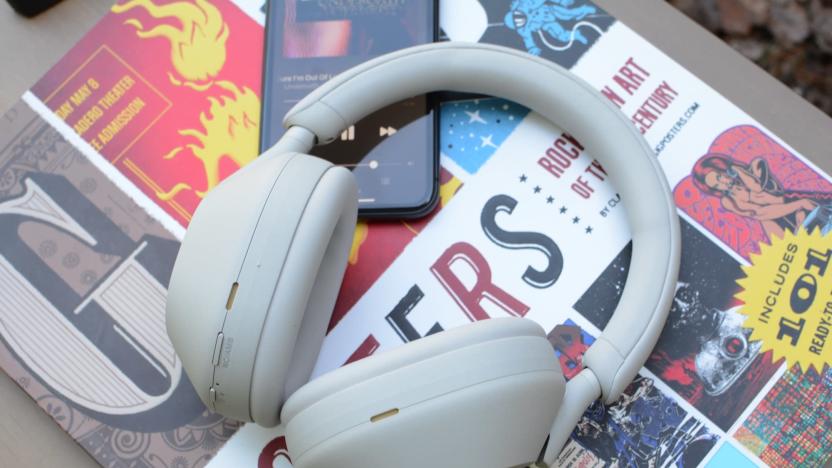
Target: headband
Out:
[622,349]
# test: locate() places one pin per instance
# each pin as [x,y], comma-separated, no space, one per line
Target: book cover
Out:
[103,162]
[715,390]
[83,271]
[167,93]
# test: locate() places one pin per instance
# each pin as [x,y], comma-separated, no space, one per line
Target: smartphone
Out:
[309,42]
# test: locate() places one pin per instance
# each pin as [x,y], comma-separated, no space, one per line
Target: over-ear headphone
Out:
[259,270]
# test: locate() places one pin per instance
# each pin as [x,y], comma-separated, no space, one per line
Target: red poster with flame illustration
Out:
[168,92]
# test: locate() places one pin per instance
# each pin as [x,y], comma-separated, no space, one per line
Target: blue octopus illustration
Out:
[530,17]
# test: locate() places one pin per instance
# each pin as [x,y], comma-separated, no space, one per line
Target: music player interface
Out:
[310,42]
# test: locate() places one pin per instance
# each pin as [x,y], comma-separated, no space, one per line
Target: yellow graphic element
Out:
[787,296]
[197,45]
[140,134]
[448,190]
[138,172]
[229,130]
[358,239]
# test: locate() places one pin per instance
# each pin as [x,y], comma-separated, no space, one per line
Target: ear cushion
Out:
[423,349]
[488,390]
[304,293]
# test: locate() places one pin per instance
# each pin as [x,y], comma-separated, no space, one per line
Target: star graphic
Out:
[487,141]
[474,117]
[523,178]
[537,189]
[589,229]
[550,199]
[563,210]
[576,220]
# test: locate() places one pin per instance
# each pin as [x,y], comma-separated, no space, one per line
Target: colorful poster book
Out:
[102,163]
[104,160]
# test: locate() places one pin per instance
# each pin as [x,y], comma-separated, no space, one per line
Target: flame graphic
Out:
[230,130]
[448,189]
[197,47]
[358,239]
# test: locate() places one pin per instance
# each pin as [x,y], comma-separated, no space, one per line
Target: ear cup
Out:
[240,309]
[304,293]
[480,395]
[417,351]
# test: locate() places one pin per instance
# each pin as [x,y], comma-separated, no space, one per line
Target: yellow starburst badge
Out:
[787,298]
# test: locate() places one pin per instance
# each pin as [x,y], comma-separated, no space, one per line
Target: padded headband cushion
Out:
[559,96]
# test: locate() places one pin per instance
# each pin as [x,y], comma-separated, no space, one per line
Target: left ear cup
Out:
[241,311]
[305,292]
[480,395]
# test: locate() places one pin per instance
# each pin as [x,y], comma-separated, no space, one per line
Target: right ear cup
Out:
[482,395]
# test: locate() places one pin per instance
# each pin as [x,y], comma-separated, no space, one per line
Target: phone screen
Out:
[309,42]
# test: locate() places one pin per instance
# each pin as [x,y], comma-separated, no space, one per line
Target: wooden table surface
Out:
[28,47]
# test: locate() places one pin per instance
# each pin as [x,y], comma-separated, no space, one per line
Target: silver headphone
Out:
[257,276]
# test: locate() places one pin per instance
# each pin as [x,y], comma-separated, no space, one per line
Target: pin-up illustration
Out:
[753,191]
[230,129]
[747,188]
[197,42]
[82,306]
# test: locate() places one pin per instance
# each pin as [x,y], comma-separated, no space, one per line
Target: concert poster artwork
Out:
[83,276]
[167,92]
[105,159]
[557,30]
[704,353]
[791,424]
[644,427]
[747,189]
